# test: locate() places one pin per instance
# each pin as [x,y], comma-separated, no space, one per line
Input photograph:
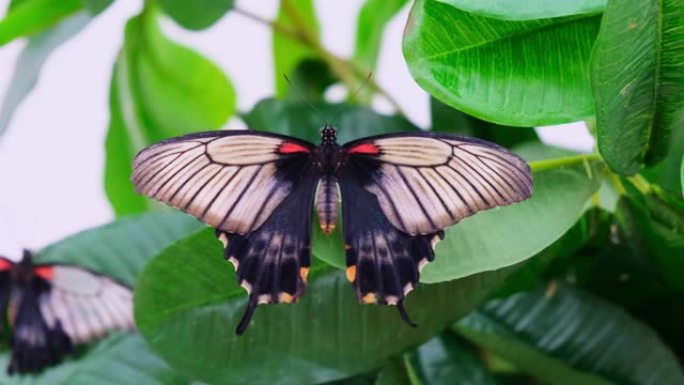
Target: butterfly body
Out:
[398,193]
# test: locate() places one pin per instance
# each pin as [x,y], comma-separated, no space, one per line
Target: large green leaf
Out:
[486,241]
[31,61]
[31,16]
[119,249]
[682,174]
[159,90]
[188,302]
[373,17]
[299,119]
[453,121]
[448,360]
[196,14]
[518,73]
[288,52]
[667,173]
[638,81]
[565,336]
[119,359]
[528,10]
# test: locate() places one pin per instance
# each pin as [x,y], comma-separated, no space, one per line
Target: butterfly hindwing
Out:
[231,180]
[273,261]
[425,182]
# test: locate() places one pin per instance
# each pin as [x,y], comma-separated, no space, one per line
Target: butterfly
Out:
[399,192]
[52,307]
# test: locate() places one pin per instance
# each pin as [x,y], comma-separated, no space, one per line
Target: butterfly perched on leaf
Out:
[398,193]
[51,307]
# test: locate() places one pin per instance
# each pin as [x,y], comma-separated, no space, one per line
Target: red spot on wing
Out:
[365,148]
[5,265]
[292,148]
[45,272]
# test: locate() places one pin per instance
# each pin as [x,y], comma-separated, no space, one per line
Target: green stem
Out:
[640,183]
[542,165]
[345,70]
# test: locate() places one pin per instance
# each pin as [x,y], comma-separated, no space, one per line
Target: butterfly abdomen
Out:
[326,203]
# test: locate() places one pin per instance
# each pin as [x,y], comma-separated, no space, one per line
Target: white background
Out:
[52,158]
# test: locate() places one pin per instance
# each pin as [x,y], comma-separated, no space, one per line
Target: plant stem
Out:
[345,70]
[542,165]
[640,183]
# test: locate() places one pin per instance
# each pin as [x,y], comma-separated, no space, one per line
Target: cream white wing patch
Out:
[427,183]
[87,305]
[218,178]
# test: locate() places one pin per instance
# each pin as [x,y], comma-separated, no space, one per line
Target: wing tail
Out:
[273,261]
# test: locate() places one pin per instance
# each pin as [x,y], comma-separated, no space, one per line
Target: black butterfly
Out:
[398,194]
[53,307]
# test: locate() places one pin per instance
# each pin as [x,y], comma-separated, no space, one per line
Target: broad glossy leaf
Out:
[395,372]
[159,90]
[449,360]
[667,174]
[638,81]
[453,121]
[188,302]
[535,151]
[288,52]
[682,175]
[528,10]
[486,241]
[298,119]
[121,248]
[373,17]
[196,14]
[119,359]
[517,73]
[31,60]
[566,336]
[31,16]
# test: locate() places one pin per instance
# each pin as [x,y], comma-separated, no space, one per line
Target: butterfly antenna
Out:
[353,95]
[303,96]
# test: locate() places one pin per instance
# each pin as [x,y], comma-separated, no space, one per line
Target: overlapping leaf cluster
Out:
[572,286]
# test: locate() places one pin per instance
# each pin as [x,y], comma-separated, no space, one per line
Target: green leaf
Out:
[31,60]
[373,17]
[159,90]
[96,6]
[448,359]
[682,175]
[395,372]
[485,241]
[31,16]
[535,151]
[453,121]
[667,174]
[196,14]
[298,119]
[121,249]
[188,301]
[119,359]
[517,73]
[565,336]
[288,52]
[638,81]
[528,10]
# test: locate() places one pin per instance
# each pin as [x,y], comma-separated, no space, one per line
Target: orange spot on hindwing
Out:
[304,273]
[45,272]
[5,265]
[351,273]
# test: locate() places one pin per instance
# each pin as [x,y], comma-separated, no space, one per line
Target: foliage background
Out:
[580,284]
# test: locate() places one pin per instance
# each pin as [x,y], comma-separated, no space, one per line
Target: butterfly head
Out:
[328,134]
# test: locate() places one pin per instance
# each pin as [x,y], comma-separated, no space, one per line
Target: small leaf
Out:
[638,81]
[31,16]
[517,73]
[159,90]
[31,60]
[288,52]
[188,301]
[565,336]
[197,14]
[528,10]
[373,17]
[485,241]
[448,359]
[682,175]
[298,119]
